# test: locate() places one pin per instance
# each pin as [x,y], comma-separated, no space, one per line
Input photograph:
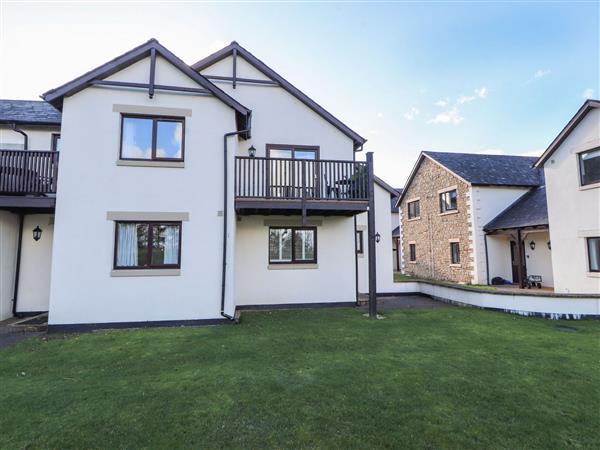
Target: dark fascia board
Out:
[52,124]
[55,96]
[587,106]
[359,141]
[386,186]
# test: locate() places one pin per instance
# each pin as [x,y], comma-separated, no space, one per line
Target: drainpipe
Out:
[224,268]
[487,260]
[25,137]
[17,266]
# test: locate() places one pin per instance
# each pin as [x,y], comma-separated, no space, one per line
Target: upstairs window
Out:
[147,245]
[448,201]
[414,209]
[589,166]
[292,245]
[593,247]
[412,252]
[152,138]
[454,253]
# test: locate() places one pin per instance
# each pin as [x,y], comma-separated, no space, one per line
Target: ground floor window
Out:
[147,245]
[593,244]
[289,245]
[455,253]
[412,252]
[360,242]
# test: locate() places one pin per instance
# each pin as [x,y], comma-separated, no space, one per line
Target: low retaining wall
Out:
[554,306]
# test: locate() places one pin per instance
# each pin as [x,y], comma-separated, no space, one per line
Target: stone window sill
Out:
[137,163]
[589,186]
[413,219]
[593,274]
[292,266]
[145,273]
[454,211]
[455,265]
[412,262]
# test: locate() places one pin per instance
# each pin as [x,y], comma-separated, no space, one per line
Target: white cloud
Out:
[411,114]
[491,151]
[443,103]
[588,93]
[540,73]
[451,116]
[380,115]
[481,92]
[465,99]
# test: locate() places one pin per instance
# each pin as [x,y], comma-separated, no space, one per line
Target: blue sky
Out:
[455,76]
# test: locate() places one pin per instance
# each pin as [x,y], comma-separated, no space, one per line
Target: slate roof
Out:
[396,232]
[491,170]
[529,210]
[394,200]
[30,112]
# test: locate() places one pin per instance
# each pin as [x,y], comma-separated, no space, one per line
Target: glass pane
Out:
[169,136]
[594,253]
[165,244]
[280,245]
[452,196]
[280,153]
[590,167]
[132,244]
[304,245]
[136,141]
[305,154]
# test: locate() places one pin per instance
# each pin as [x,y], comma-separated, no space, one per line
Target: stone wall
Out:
[432,232]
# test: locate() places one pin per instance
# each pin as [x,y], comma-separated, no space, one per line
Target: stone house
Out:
[448,201]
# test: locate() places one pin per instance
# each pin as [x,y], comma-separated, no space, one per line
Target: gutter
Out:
[225,204]
[25,137]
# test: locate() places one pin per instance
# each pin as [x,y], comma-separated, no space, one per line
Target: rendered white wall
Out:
[384,253]
[280,118]
[34,278]
[9,229]
[332,281]
[40,138]
[539,261]
[573,212]
[486,203]
[499,257]
[91,184]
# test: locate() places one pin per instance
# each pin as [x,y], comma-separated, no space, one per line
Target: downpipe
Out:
[25,137]
[225,205]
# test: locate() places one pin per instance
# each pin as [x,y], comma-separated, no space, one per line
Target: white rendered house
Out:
[186,193]
[571,167]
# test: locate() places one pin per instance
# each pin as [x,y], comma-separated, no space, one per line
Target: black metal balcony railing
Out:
[297,179]
[28,172]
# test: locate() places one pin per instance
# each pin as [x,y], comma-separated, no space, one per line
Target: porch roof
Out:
[528,211]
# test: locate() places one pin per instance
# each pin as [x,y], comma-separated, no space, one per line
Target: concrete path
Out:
[407,302]
[10,335]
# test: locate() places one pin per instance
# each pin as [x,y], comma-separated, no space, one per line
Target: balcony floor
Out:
[263,206]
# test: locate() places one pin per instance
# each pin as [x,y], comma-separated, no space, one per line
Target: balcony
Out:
[300,186]
[26,177]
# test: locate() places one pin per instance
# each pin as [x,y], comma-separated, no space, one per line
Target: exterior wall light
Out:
[37,233]
[252,151]
[532,245]
[549,245]
[377,237]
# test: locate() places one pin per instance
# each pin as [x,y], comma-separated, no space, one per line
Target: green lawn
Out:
[400,277]
[445,378]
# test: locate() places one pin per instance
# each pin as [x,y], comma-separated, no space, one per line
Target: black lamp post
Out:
[37,233]
[252,151]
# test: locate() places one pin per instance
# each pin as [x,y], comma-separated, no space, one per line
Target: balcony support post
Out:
[371,239]
[303,193]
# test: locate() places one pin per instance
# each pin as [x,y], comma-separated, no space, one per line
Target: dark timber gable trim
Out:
[239,51]
[150,48]
[587,106]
